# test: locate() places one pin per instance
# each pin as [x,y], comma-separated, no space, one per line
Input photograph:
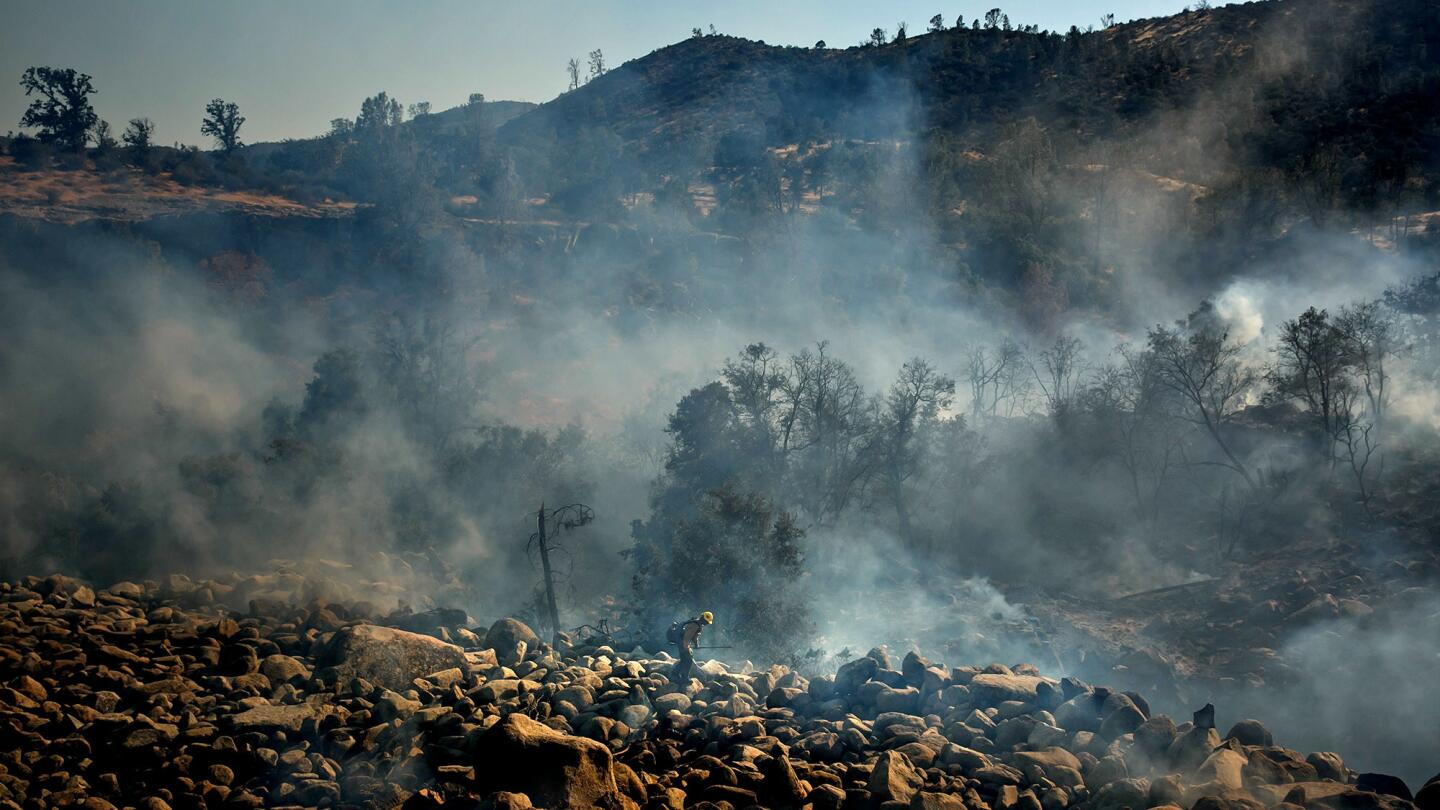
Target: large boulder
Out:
[1251,732]
[388,657]
[894,778]
[1384,783]
[504,633]
[554,769]
[1132,793]
[853,673]
[993,689]
[1428,797]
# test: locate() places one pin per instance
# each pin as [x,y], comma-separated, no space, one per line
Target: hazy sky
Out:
[294,65]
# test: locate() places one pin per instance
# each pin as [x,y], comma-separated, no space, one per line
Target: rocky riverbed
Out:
[171,694]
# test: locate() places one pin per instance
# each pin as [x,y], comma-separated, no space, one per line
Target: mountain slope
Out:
[1270,81]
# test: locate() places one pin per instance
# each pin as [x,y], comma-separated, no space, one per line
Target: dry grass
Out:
[59,195]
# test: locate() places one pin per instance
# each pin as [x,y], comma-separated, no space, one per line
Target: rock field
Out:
[165,694]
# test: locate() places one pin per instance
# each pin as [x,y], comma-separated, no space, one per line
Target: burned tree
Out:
[1058,375]
[996,377]
[1369,332]
[1201,365]
[549,523]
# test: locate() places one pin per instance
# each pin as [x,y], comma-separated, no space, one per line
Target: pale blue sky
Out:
[292,66]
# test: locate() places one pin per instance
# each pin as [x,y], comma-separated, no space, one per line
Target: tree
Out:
[1369,332]
[1311,367]
[61,109]
[566,518]
[696,33]
[104,139]
[992,19]
[912,404]
[1130,403]
[997,377]
[377,114]
[820,45]
[475,98]
[937,24]
[877,37]
[825,420]
[1021,181]
[139,135]
[760,597]
[420,109]
[1058,375]
[900,29]
[1107,20]
[222,122]
[572,70]
[597,64]
[1202,367]
[423,357]
[959,21]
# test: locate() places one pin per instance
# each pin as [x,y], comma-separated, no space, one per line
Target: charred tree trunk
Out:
[549,576]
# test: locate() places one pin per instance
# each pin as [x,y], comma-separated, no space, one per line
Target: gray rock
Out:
[389,657]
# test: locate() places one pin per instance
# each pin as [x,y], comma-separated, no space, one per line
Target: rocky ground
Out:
[165,694]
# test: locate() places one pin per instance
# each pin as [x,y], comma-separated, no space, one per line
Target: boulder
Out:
[388,657]
[913,667]
[826,797]
[993,689]
[505,632]
[1328,765]
[269,718]
[782,787]
[1384,783]
[1122,793]
[1192,748]
[851,675]
[1428,797]
[894,778]
[555,770]
[1123,720]
[1250,732]
[1155,735]
[1224,766]
[1049,758]
[925,800]
[280,669]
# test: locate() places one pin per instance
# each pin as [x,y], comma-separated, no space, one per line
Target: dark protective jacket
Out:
[693,629]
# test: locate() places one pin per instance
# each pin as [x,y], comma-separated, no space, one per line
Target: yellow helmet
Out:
[707,617]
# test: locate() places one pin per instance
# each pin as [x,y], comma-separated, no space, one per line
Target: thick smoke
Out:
[458,375]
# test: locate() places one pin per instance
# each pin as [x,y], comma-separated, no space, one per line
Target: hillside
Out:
[1254,84]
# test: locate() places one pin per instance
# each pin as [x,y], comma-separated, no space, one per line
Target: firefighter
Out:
[685,635]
